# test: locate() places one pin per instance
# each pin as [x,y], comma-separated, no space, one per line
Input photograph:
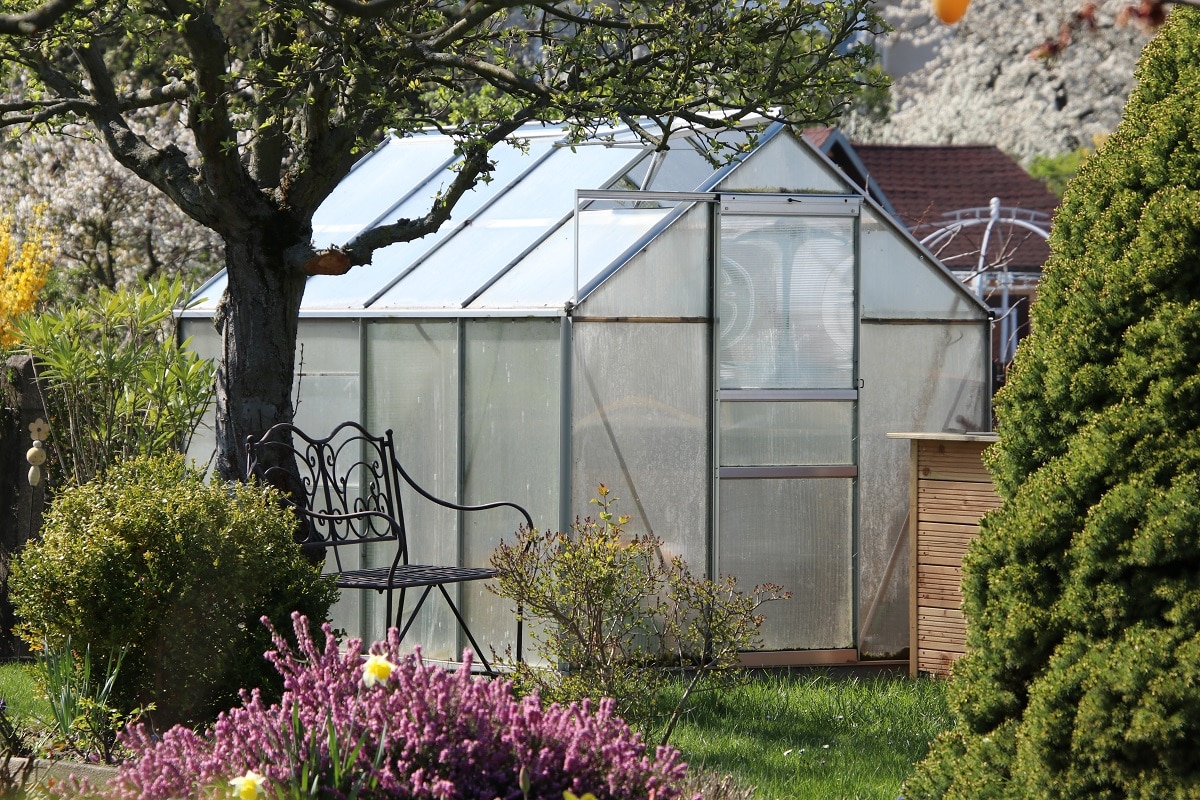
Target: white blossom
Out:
[982,87]
[110,226]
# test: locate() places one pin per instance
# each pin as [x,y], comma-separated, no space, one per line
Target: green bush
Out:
[621,621]
[1082,593]
[178,572]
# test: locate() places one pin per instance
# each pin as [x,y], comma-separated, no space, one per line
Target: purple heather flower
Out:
[417,733]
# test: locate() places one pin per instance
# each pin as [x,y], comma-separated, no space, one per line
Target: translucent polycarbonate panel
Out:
[500,234]
[901,282]
[667,278]
[511,449]
[785,302]
[359,286]
[377,182]
[641,426]
[545,278]
[797,534]
[786,433]
[681,169]
[328,391]
[783,164]
[412,388]
[916,378]
[206,343]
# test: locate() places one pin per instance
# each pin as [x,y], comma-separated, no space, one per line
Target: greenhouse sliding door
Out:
[786,397]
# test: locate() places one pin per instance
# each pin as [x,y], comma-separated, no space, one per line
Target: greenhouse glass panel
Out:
[328,391]
[783,164]
[797,534]
[361,284]
[412,388]
[510,448]
[899,281]
[667,278]
[681,169]
[928,378]
[395,168]
[546,277]
[206,343]
[641,421]
[788,433]
[530,209]
[785,301]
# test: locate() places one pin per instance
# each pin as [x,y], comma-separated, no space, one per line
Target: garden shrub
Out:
[615,619]
[1082,592]
[152,559]
[390,725]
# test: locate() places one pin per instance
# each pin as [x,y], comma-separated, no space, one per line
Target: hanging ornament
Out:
[950,11]
[36,455]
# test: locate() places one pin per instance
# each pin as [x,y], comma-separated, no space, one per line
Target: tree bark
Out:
[258,319]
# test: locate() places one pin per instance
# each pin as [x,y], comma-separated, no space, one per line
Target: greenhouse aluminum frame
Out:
[725,348]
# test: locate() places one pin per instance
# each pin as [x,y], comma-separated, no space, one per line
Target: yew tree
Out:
[1082,592]
[280,98]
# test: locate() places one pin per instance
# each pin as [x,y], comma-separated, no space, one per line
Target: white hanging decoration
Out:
[36,455]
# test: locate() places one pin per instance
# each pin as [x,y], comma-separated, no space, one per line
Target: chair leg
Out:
[413,616]
[487,667]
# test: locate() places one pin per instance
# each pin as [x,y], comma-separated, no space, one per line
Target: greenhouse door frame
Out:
[796,474]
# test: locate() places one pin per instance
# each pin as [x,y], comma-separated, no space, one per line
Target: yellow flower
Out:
[377,669]
[569,795]
[249,786]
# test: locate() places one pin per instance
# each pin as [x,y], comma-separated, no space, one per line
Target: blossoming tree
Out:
[1033,77]
[112,229]
[281,97]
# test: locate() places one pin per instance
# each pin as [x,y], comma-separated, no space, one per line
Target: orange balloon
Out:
[950,11]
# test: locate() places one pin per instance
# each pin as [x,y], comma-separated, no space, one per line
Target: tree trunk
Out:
[258,317]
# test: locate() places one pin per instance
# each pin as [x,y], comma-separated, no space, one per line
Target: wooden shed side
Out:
[951,490]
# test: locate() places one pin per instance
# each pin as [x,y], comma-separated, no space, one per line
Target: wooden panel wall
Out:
[951,490]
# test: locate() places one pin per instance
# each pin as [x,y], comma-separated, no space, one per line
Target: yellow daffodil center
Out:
[377,669]
[249,786]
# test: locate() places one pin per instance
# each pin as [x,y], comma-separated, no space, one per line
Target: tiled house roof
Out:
[919,184]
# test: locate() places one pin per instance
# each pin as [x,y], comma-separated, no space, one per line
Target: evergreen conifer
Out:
[1082,593]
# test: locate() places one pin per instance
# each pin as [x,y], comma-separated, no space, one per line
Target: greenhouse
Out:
[725,348]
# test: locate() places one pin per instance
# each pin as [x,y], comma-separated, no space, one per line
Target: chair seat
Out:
[408,576]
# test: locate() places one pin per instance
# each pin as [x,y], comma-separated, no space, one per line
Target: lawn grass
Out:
[18,688]
[799,735]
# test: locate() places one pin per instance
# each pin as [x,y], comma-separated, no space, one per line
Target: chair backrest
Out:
[343,486]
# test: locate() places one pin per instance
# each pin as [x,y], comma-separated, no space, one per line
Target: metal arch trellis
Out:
[1036,222]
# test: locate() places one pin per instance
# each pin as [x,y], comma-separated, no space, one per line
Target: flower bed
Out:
[380,724]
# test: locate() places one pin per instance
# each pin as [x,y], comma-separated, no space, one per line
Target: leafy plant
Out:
[617,619]
[84,721]
[115,380]
[393,726]
[152,558]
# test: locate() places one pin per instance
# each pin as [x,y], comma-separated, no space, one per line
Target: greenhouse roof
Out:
[509,247]
[509,244]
